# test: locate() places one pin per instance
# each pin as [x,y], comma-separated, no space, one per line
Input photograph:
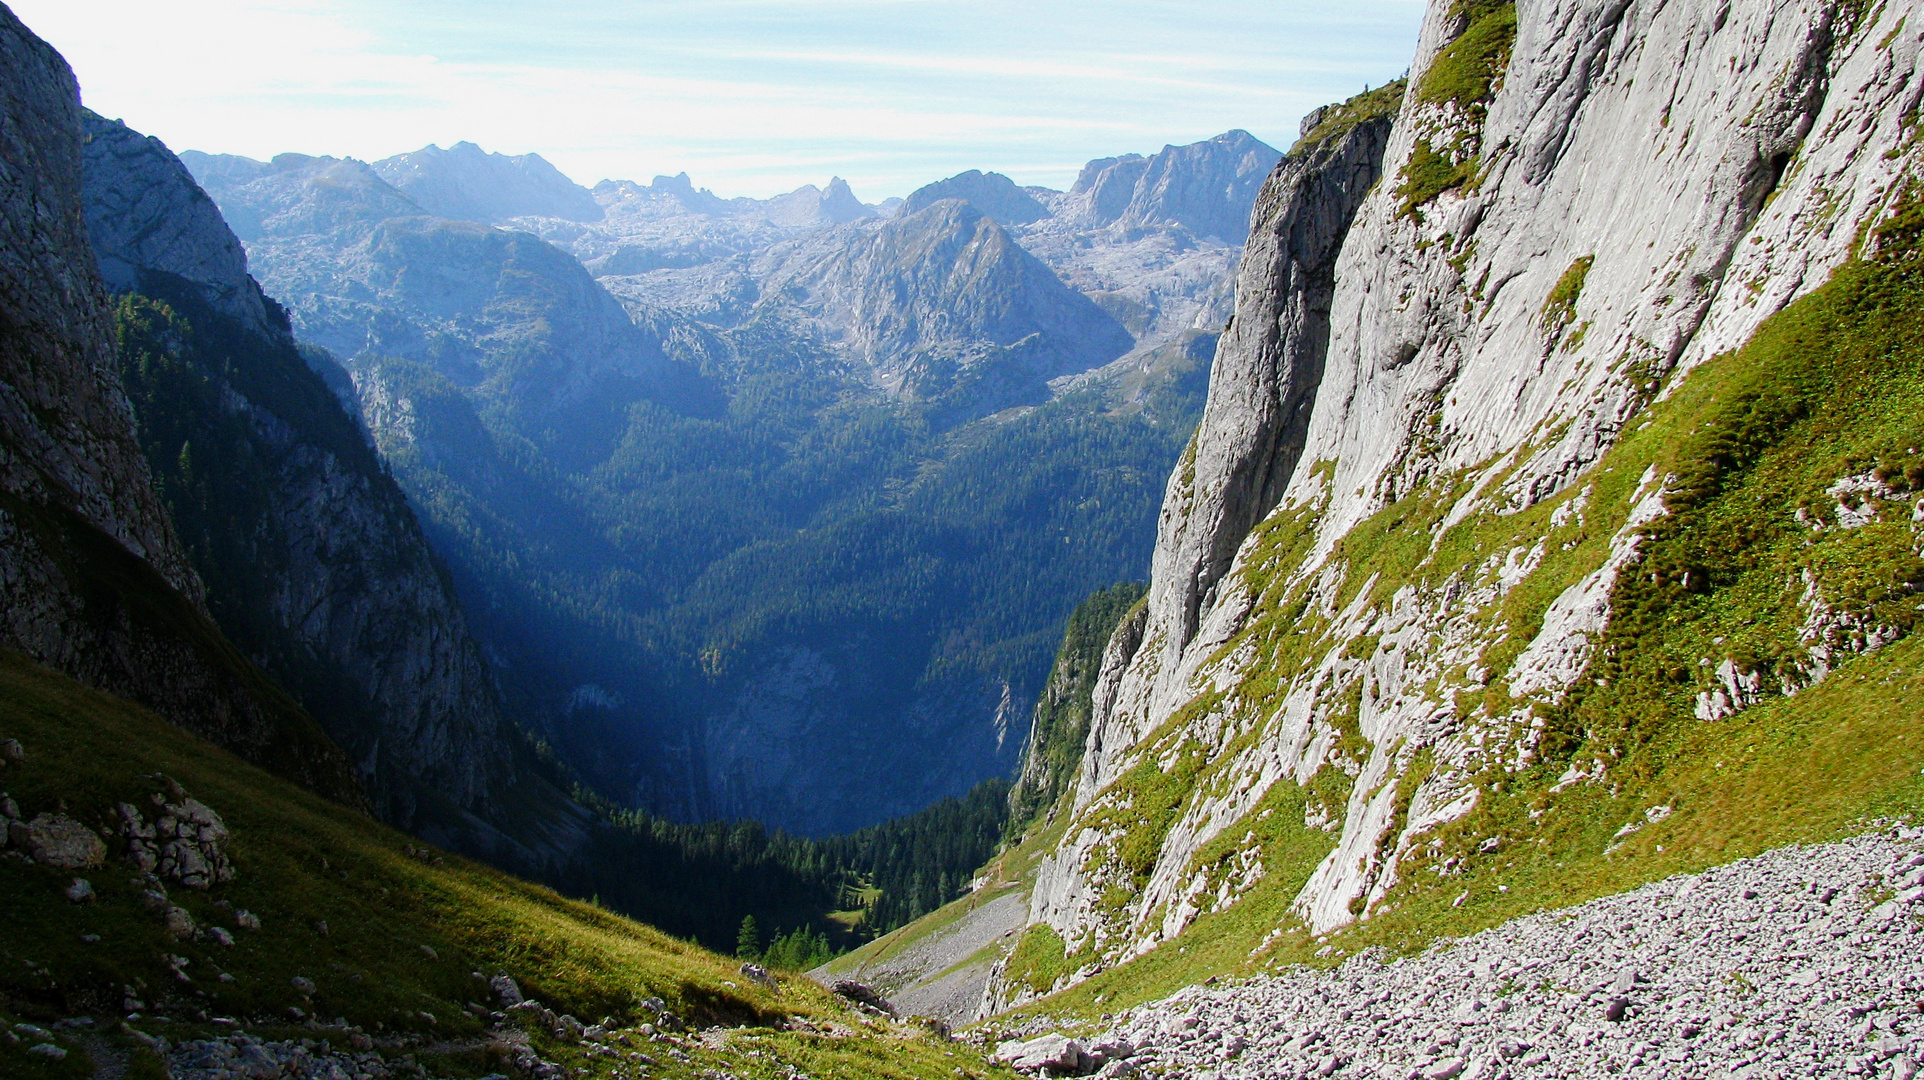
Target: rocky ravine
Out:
[1802,962]
[356,617]
[1486,343]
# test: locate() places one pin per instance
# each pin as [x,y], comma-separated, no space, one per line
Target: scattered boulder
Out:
[81,891]
[1059,1054]
[302,985]
[247,920]
[219,935]
[863,996]
[506,991]
[758,974]
[12,752]
[59,841]
[179,922]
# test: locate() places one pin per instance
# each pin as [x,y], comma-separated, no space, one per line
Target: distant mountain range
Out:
[768,508]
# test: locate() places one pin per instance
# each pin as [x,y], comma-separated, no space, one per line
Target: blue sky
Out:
[749,97]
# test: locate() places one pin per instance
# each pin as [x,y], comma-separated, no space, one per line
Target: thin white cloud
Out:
[748,97]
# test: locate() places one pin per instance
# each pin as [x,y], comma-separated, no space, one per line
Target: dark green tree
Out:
[748,940]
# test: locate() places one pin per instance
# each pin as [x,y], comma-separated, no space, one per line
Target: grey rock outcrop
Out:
[59,841]
[1268,368]
[467,183]
[145,214]
[93,580]
[67,426]
[1766,139]
[359,620]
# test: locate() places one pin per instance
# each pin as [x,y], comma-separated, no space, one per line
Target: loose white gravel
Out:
[1802,962]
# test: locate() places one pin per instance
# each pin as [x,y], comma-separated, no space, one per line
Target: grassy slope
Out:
[303,861]
[1832,387]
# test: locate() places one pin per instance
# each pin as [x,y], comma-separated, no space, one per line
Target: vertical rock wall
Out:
[92,579]
[1631,188]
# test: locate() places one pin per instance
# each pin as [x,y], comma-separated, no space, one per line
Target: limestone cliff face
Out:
[1579,200]
[95,582]
[338,595]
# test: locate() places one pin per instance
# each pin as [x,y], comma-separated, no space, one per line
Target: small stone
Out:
[301,984]
[1903,1068]
[1447,1069]
[1626,981]
[46,1050]
[247,920]
[758,974]
[12,751]
[1615,1009]
[510,995]
[426,950]
[179,922]
[320,927]
[219,935]
[80,892]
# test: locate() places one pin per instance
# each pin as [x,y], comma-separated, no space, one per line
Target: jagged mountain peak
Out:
[809,205]
[1205,187]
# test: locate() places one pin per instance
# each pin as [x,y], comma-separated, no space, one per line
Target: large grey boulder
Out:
[59,841]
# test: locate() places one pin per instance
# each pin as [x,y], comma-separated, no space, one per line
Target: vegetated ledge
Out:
[1795,460]
[339,931]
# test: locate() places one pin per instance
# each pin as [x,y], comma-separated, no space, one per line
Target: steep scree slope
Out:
[1385,636]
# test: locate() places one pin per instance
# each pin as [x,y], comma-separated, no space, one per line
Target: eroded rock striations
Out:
[95,582]
[1579,202]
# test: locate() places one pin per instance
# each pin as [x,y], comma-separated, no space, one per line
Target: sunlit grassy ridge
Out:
[1789,471]
[404,933]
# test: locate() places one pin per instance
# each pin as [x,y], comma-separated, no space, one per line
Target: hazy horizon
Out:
[748,97]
